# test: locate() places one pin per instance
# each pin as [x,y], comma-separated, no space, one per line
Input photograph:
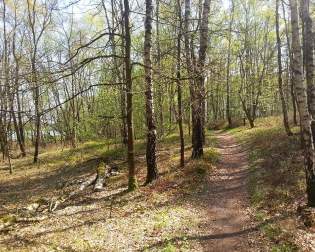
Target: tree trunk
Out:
[228,84]
[179,88]
[198,123]
[283,101]
[308,39]
[19,117]
[152,171]
[301,96]
[132,184]
[37,115]
[158,61]
[189,66]
[293,98]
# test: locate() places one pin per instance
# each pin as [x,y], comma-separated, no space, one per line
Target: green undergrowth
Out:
[58,157]
[211,155]
[276,178]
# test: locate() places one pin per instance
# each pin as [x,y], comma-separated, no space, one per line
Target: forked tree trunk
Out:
[17,120]
[301,96]
[132,183]
[280,83]
[152,171]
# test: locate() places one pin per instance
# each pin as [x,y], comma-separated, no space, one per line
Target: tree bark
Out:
[152,171]
[293,98]
[280,83]
[132,183]
[158,61]
[179,88]
[228,84]
[189,67]
[308,39]
[199,117]
[301,96]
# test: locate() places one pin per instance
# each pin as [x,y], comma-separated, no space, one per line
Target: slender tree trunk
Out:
[5,121]
[19,117]
[189,67]
[280,83]
[152,171]
[293,98]
[158,61]
[123,96]
[179,88]
[202,60]
[301,96]
[132,184]
[37,113]
[228,84]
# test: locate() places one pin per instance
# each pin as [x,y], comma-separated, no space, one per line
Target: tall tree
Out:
[280,83]
[37,29]
[5,122]
[228,66]
[301,96]
[158,77]
[132,184]
[199,117]
[308,42]
[179,85]
[289,54]
[188,61]
[152,171]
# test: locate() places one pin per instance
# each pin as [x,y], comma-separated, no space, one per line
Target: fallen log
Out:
[100,177]
[91,180]
[7,221]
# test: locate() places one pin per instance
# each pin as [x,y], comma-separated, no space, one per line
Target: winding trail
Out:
[231,225]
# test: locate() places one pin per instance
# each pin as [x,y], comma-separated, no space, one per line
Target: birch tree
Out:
[301,96]
[280,82]
[152,172]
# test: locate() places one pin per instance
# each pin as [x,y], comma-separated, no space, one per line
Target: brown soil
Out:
[231,229]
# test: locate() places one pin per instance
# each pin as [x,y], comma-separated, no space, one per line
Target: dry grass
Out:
[168,215]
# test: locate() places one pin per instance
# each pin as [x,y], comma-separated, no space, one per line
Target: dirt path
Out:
[228,209]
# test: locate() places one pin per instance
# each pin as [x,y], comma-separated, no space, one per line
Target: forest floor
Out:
[230,200]
[276,184]
[202,207]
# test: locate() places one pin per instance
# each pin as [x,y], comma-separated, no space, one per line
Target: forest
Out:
[157,125]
